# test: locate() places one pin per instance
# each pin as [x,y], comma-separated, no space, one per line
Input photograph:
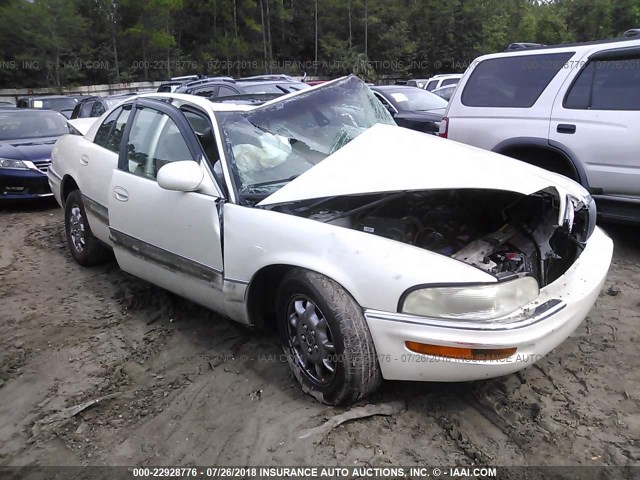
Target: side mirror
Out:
[182,176]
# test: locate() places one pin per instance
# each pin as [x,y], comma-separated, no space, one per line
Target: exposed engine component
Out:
[502,233]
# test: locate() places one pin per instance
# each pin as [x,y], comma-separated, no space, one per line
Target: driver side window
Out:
[154,141]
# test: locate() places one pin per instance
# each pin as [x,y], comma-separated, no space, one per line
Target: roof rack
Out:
[523,46]
[266,77]
[186,77]
[629,35]
[209,79]
[440,75]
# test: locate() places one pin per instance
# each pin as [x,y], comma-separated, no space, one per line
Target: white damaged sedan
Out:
[376,251]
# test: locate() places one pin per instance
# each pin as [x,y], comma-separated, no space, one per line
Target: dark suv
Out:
[227,86]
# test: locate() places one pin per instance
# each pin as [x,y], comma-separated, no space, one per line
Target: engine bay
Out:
[502,233]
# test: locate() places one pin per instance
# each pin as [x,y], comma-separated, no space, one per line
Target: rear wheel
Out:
[326,339]
[86,249]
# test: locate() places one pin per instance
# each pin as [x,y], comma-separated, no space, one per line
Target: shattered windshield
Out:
[272,145]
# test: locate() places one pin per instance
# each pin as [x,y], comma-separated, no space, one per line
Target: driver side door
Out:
[170,238]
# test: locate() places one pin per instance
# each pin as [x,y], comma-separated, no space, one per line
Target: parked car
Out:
[59,103]
[26,140]
[443,80]
[380,252]
[412,107]
[571,109]
[4,104]
[445,92]
[96,106]
[227,86]
[413,82]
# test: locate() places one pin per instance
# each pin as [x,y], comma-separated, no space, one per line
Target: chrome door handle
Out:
[120,194]
[84,160]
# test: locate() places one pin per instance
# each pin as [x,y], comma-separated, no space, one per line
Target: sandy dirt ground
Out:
[179,385]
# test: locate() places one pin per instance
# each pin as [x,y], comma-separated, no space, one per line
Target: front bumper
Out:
[23,185]
[534,330]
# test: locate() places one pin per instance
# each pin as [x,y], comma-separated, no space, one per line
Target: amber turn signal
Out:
[481,354]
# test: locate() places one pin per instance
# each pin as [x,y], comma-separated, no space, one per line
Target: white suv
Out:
[442,80]
[572,109]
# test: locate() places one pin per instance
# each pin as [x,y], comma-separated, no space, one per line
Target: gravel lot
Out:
[179,385]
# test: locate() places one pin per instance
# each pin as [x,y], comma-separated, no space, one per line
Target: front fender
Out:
[376,271]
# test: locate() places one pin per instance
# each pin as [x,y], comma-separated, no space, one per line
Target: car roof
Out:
[591,43]
[245,83]
[255,78]
[575,48]
[30,111]
[196,100]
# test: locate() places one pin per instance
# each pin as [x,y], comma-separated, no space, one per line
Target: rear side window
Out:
[607,85]
[263,88]
[226,92]
[206,91]
[432,85]
[102,135]
[109,135]
[514,81]
[450,81]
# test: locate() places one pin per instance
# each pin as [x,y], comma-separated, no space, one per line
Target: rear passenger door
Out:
[97,162]
[598,120]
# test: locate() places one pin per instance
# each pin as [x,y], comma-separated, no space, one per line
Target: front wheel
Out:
[326,339]
[85,248]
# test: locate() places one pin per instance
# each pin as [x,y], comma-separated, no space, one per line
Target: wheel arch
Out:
[529,149]
[262,292]
[67,186]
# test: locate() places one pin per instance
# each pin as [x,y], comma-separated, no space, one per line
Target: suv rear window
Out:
[513,81]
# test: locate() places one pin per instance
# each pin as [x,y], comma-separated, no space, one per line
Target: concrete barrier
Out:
[13,94]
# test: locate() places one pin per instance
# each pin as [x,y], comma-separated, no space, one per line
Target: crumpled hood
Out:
[28,149]
[386,158]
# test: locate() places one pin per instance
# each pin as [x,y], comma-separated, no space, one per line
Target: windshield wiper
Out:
[272,182]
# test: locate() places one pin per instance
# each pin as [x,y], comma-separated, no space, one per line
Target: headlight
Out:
[13,164]
[481,302]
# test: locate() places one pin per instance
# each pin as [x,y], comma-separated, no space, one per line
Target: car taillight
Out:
[444,128]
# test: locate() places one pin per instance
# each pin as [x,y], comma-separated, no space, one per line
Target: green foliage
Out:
[63,42]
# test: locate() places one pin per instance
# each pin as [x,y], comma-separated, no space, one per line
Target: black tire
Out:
[356,372]
[86,249]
